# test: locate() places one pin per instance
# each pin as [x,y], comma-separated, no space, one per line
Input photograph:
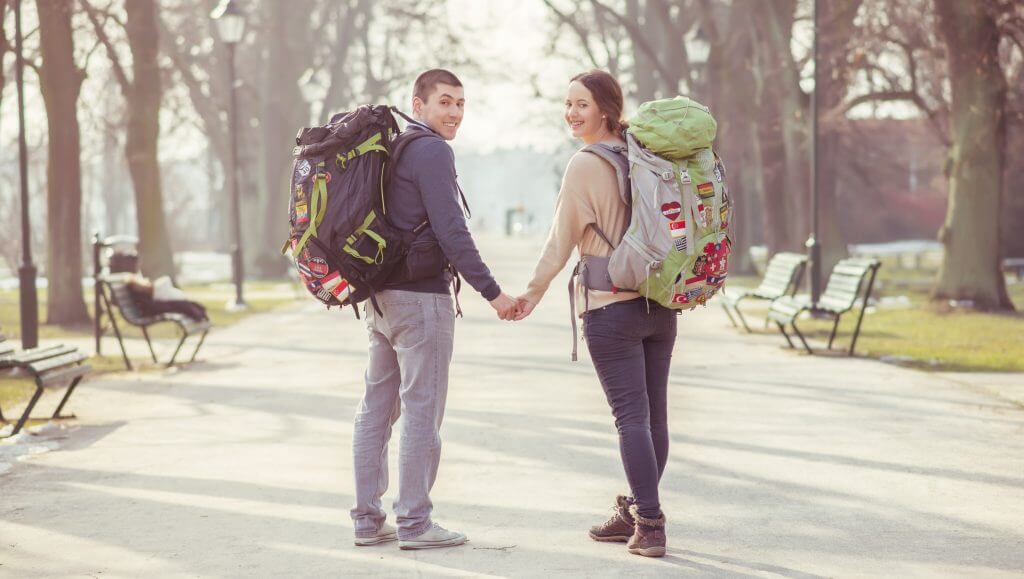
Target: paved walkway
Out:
[781,464]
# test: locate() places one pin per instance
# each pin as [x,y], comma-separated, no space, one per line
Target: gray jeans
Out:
[410,351]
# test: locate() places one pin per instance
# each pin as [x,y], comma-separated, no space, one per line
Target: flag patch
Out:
[677,229]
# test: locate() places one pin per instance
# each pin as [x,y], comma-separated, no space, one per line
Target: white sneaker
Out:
[434,537]
[385,534]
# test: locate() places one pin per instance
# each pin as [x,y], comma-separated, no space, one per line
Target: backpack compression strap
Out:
[577,272]
[318,208]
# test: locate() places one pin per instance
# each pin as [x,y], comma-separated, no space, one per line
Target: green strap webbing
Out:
[366,223]
[365,228]
[317,210]
[348,249]
[371,144]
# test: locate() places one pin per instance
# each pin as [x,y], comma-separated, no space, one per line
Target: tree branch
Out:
[115,61]
[640,39]
[575,26]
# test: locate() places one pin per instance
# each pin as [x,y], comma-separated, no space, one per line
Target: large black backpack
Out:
[340,238]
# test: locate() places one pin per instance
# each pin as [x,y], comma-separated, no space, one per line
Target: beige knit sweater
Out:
[589,194]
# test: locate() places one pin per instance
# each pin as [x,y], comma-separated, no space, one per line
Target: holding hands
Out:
[506,307]
[512,309]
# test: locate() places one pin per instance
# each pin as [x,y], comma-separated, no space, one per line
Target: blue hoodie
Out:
[423,187]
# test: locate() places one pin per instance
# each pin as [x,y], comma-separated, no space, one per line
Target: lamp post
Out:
[813,245]
[231,26]
[27,298]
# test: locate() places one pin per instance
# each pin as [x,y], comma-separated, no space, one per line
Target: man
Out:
[411,343]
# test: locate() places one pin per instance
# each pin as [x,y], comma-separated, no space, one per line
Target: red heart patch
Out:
[671,210]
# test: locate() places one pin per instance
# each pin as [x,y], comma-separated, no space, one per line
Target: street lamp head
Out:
[230,21]
[697,46]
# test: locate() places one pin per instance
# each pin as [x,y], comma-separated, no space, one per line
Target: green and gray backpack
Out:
[676,249]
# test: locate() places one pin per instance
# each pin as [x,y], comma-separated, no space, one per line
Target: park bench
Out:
[112,292]
[115,293]
[51,367]
[781,277]
[840,296]
[1014,264]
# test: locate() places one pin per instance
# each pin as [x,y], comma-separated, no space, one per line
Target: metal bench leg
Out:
[28,409]
[199,345]
[856,333]
[742,319]
[117,332]
[174,356]
[863,308]
[729,314]
[782,328]
[800,335]
[63,401]
[149,343]
[835,327]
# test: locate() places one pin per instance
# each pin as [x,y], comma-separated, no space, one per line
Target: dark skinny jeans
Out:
[631,345]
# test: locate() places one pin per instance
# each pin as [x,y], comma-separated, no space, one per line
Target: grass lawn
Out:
[261,297]
[923,334]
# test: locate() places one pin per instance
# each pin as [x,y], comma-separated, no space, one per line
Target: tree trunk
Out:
[4,46]
[970,267]
[837,27]
[794,121]
[775,218]
[284,112]
[142,138]
[61,82]
[730,88]
[645,80]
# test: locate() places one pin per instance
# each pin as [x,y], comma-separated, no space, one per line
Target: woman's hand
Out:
[525,308]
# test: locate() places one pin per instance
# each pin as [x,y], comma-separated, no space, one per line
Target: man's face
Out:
[443,109]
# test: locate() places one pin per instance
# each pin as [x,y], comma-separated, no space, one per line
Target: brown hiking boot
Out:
[649,536]
[619,528]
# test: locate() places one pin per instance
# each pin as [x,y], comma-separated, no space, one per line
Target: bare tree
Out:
[142,93]
[944,59]
[970,268]
[61,82]
[4,46]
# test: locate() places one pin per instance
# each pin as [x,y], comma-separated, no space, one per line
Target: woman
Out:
[630,338]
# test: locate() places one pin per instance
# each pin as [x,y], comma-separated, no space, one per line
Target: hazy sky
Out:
[510,39]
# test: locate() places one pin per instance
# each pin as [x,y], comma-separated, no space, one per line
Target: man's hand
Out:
[506,307]
[525,308]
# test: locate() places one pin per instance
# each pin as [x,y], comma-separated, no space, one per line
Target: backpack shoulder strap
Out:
[616,156]
[600,233]
[398,145]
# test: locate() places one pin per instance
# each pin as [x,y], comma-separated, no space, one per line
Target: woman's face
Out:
[582,115]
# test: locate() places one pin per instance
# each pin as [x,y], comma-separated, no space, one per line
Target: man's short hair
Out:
[428,81]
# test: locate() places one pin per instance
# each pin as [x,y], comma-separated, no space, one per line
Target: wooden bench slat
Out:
[835,305]
[851,269]
[843,286]
[782,276]
[72,357]
[59,376]
[36,354]
[769,286]
[788,257]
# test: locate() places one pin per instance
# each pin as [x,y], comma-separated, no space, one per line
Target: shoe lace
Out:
[614,518]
